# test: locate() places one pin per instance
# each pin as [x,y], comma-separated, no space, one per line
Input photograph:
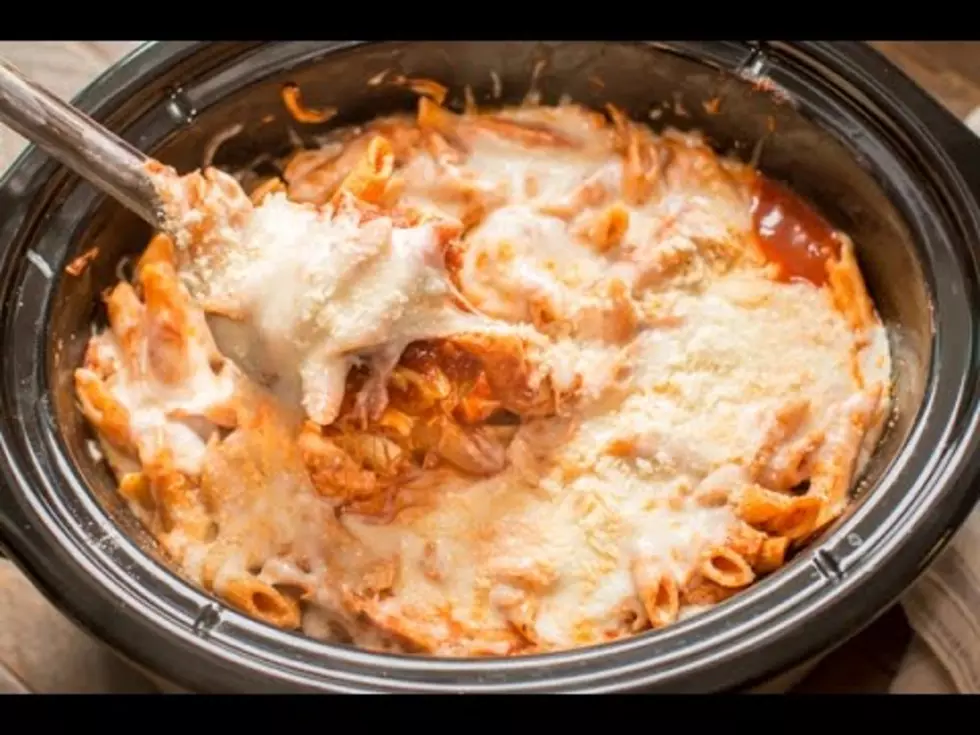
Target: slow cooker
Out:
[835,121]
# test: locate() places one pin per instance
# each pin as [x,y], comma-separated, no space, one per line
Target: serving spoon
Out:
[134,180]
[109,163]
[67,134]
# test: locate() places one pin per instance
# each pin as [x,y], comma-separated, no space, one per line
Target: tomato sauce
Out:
[791,234]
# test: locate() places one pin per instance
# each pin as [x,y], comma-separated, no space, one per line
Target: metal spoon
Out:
[106,161]
[76,140]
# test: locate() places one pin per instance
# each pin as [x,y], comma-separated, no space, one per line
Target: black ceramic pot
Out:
[877,155]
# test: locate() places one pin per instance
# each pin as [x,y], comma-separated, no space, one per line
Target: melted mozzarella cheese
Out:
[736,347]
[699,396]
[313,290]
[546,546]
[166,415]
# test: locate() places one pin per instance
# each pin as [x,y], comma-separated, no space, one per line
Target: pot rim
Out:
[126,598]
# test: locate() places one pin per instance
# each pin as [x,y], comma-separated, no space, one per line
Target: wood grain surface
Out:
[948,70]
[64,67]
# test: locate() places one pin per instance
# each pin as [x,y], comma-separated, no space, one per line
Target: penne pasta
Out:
[372,174]
[778,514]
[448,381]
[263,602]
[772,554]
[269,186]
[609,228]
[107,415]
[848,289]
[657,591]
[725,567]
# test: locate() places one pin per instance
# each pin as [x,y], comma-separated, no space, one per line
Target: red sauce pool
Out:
[791,234]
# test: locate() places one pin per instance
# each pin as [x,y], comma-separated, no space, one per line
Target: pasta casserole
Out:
[489,382]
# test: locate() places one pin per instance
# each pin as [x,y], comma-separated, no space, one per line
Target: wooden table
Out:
[949,70]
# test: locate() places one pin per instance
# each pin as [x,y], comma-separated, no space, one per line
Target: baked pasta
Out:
[487,383]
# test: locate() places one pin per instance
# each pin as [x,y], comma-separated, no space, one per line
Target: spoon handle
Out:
[94,153]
